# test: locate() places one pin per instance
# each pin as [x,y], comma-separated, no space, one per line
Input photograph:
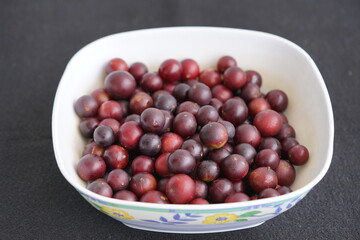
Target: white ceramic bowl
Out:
[282,64]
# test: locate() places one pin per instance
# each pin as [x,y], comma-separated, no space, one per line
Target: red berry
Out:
[210,77]
[170,142]
[298,155]
[190,69]
[170,70]
[180,189]
[234,78]
[141,183]
[91,167]
[116,64]
[225,62]
[268,123]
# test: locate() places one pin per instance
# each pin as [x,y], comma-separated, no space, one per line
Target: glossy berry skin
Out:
[220,189]
[111,109]
[188,106]
[158,93]
[100,187]
[216,103]
[221,93]
[116,156]
[139,102]
[271,143]
[100,95]
[184,124]
[130,134]
[268,192]
[169,87]
[161,185]
[285,173]
[125,195]
[118,179]
[267,158]
[298,155]
[246,150]
[93,148]
[86,106]
[261,178]
[229,127]
[125,107]
[91,167]
[253,77]
[180,92]
[113,124]
[284,118]
[206,114]
[250,92]
[190,69]
[257,105]
[104,136]
[191,82]
[133,117]
[150,144]
[234,78]
[152,120]
[170,70]
[208,171]
[201,189]
[228,146]
[200,93]
[234,167]
[194,148]
[214,135]
[225,62]
[87,127]
[142,164]
[237,197]
[268,123]
[247,133]
[210,77]
[141,183]
[138,70]
[277,99]
[218,155]
[199,201]
[181,161]
[283,190]
[162,166]
[239,186]
[154,197]
[180,189]
[116,64]
[286,131]
[169,119]
[234,111]
[120,84]
[166,102]
[151,82]
[170,142]
[287,144]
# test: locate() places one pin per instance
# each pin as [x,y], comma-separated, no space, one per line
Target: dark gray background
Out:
[37,38]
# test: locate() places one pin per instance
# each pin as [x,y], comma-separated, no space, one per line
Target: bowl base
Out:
[193,229]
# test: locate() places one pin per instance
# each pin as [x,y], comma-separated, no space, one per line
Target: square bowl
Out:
[282,64]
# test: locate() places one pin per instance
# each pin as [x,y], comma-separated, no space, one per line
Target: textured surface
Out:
[37,38]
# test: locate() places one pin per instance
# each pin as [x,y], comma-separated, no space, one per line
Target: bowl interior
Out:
[283,65]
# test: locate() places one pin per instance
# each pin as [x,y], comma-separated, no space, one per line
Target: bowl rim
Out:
[194,207]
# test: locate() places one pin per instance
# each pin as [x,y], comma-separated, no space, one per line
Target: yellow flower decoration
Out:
[116,213]
[220,218]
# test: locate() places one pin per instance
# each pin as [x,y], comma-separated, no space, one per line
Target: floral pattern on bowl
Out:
[156,219]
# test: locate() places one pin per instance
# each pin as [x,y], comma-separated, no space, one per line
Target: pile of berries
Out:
[185,136]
